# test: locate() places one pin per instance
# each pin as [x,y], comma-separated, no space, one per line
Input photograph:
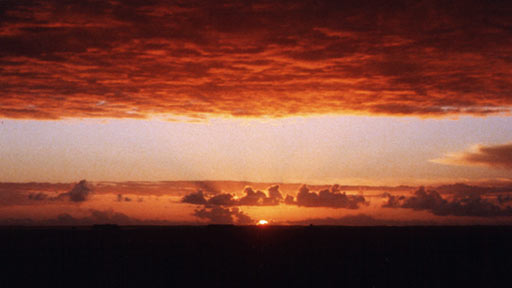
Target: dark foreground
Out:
[224,256]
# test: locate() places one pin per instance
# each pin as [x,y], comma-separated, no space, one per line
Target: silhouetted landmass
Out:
[249,256]
[106,227]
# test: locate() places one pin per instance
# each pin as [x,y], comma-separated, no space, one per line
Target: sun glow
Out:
[262,222]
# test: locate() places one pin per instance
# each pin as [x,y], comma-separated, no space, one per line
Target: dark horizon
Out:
[250,256]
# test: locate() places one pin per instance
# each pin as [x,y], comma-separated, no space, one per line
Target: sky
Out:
[372,94]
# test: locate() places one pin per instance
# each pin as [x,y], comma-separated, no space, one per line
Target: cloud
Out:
[212,208]
[213,211]
[156,188]
[259,198]
[21,193]
[466,189]
[222,199]
[425,59]
[273,192]
[94,217]
[38,196]
[220,215]
[79,193]
[289,200]
[250,198]
[502,199]
[432,201]
[195,198]
[393,201]
[494,156]
[209,187]
[331,198]
[362,220]
[120,198]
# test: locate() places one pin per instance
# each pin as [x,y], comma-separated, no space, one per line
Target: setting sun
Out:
[262,222]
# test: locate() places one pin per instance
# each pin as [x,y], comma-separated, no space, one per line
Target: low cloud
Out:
[259,198]
[502,199]
[273,192]
[220,215]
[465,189]
[94,217]
[361,220]
[289,200]
[38,196]
[494,156]
[209,187]
[331,198]
[121,198]
[222,199]
[213,212]
[195,198]
[80,193]
[250,198]
[460,205]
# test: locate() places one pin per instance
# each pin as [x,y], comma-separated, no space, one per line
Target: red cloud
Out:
[263,58]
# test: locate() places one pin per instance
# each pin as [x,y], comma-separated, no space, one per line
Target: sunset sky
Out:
[146,99]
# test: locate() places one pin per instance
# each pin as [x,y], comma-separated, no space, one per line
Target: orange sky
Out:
[375,93]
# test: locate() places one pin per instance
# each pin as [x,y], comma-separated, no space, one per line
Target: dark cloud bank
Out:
[491,202]
[459,200]
[195,58]
[213,211]
[460,205]
[331,198]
